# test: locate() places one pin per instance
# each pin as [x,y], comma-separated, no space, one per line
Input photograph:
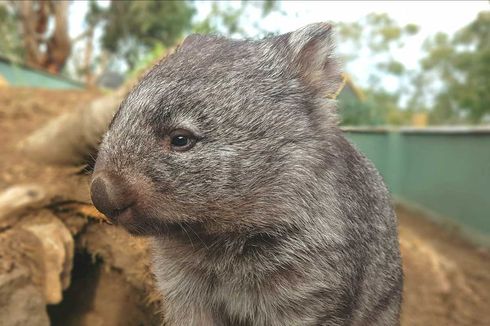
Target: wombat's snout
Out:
[110,194]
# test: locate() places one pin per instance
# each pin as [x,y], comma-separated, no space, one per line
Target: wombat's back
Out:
[371,249]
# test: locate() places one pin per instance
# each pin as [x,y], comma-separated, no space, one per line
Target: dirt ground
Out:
[447,280]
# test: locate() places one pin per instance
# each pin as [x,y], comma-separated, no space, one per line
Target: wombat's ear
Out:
[312,50]
[191,41]
[196,42]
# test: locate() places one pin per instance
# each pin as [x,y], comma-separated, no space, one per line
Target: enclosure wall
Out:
[446,171]
[19,75]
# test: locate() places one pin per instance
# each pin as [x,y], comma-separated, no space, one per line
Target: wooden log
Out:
[21,303]
[16,199]
[56,249]
[72,138]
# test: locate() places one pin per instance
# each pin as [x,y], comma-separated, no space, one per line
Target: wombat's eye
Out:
[182,140]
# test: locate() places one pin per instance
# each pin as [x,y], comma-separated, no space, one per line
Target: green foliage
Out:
[132,28]
[10,39]
[462,65]
[380,108]
[453,84]
[135,30]
[148,59]
[411,29]
[393,67]
[221,18]
[378,32]
[228,19]
[356,113]
[378,35]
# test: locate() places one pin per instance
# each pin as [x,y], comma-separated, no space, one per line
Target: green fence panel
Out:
[446,171]
[18,75]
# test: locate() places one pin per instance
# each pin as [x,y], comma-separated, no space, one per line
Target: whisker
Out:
[183,228]
[197,235]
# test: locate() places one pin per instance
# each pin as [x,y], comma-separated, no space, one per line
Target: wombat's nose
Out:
[110,194]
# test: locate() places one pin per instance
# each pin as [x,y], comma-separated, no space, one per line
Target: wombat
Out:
[228,154]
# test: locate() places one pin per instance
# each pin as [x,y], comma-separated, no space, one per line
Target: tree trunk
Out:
[35,17]
[59,44]
[89,74]
[34,57]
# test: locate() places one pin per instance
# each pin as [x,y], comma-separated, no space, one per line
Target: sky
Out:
[430,16]
[433,16]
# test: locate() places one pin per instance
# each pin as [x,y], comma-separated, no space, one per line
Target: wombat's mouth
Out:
[134,222]
[142,225]
[122,216]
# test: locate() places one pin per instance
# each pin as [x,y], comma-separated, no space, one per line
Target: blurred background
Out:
[415,99]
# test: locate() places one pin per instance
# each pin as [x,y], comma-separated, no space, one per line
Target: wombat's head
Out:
[219,134]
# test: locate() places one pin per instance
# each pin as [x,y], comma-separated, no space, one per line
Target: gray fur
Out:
[273,218]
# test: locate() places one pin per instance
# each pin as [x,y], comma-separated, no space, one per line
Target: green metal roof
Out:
[18,74]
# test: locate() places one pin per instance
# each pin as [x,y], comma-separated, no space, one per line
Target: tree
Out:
[45,49]
[132,28]
[85,63]
[459,71]
[375,38]
[130,31]
[10,38]
[379,108]
[138,32]
[227,18]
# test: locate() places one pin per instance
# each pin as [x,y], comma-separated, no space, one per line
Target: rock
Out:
[102,296]
[21,303]
[16,199]
[73,137]
[56,248]
[121,251]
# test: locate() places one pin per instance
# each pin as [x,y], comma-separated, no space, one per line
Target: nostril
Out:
[110,194]
[100,197]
